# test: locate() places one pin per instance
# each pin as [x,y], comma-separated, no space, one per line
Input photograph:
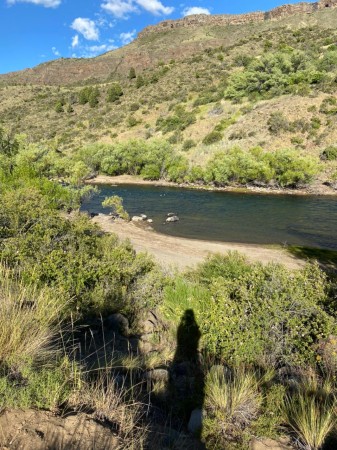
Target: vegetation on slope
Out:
[265,337]
[275,89]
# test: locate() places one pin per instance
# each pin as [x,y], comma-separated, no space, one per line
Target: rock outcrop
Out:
[239,19]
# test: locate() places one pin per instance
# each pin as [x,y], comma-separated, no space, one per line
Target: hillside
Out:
[201,85]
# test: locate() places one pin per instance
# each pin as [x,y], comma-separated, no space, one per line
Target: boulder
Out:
[171,214]
[158,375]
[149,220]
[172,219]
[137,219]
[143,216]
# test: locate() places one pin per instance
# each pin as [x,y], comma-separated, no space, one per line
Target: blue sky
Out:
[35,31]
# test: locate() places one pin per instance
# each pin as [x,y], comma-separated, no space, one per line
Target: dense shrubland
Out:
[157,159]
[268,346]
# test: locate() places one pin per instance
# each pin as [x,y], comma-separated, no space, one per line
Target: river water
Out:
[230,217]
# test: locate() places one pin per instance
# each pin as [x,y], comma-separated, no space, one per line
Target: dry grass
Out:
[236,396]
[311,419]
[115,406]
[29,321]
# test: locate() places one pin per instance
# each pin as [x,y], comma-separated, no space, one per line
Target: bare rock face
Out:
[239,19]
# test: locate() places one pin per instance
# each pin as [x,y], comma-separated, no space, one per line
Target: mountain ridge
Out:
[187,37]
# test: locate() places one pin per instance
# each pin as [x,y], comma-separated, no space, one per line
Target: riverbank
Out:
[314,189]
[182,252]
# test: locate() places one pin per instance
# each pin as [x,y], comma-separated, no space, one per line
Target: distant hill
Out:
[204,83]
[175,40]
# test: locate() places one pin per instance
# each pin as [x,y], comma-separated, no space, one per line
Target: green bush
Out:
[115,91]
[212,137]
[329,154]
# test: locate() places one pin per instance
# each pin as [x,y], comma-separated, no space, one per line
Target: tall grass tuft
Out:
[232,401]
[29,322]
[310,417]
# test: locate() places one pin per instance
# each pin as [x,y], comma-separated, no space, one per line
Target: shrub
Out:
[189,143]
[212,137]
[116,204]
[115,91]
[329,154]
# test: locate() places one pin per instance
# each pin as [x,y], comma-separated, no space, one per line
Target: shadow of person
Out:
[186,382]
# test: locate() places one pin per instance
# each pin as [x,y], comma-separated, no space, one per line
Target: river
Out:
[230,217]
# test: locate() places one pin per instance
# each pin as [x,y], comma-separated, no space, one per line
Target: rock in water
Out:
[172,219]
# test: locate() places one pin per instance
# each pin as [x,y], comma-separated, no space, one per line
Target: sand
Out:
[182,252]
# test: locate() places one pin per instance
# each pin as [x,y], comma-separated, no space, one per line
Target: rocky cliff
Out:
[239,19]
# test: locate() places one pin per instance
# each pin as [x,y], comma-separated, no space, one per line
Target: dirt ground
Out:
[182,253]
[36,430]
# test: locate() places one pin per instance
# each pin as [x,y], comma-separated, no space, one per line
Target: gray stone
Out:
[158,375]
[143,216]
[195,422]
[137,219]
[150,220]
[172,219]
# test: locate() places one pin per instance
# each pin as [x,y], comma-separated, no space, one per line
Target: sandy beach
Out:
[182,252]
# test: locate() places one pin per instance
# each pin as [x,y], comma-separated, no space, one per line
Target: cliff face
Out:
[239,19]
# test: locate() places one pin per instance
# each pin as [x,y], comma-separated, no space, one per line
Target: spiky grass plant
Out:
[310,417]
[232,401]
[29,321]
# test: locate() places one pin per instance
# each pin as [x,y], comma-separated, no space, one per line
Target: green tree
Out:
[93,97]
[140,81]
[9,145]
[132,73]
[115,91]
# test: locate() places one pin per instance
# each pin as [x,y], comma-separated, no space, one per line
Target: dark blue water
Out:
[231,217]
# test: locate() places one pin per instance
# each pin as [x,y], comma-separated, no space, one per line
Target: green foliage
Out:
[329,106]
[84,95]
[285,167]
[9,145]
[115,91]
[132,73]
[274,74]
[59,107]
[179,121]
[116,203]
[212,137]
[329,154]
[140,82]
[93,97]
[189,143]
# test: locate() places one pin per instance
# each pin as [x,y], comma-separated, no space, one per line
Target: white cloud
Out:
[74,41]
[195,10]
[86,27]
[55,51]
[155,7]
[45,3]
[119,8]
[127,37]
